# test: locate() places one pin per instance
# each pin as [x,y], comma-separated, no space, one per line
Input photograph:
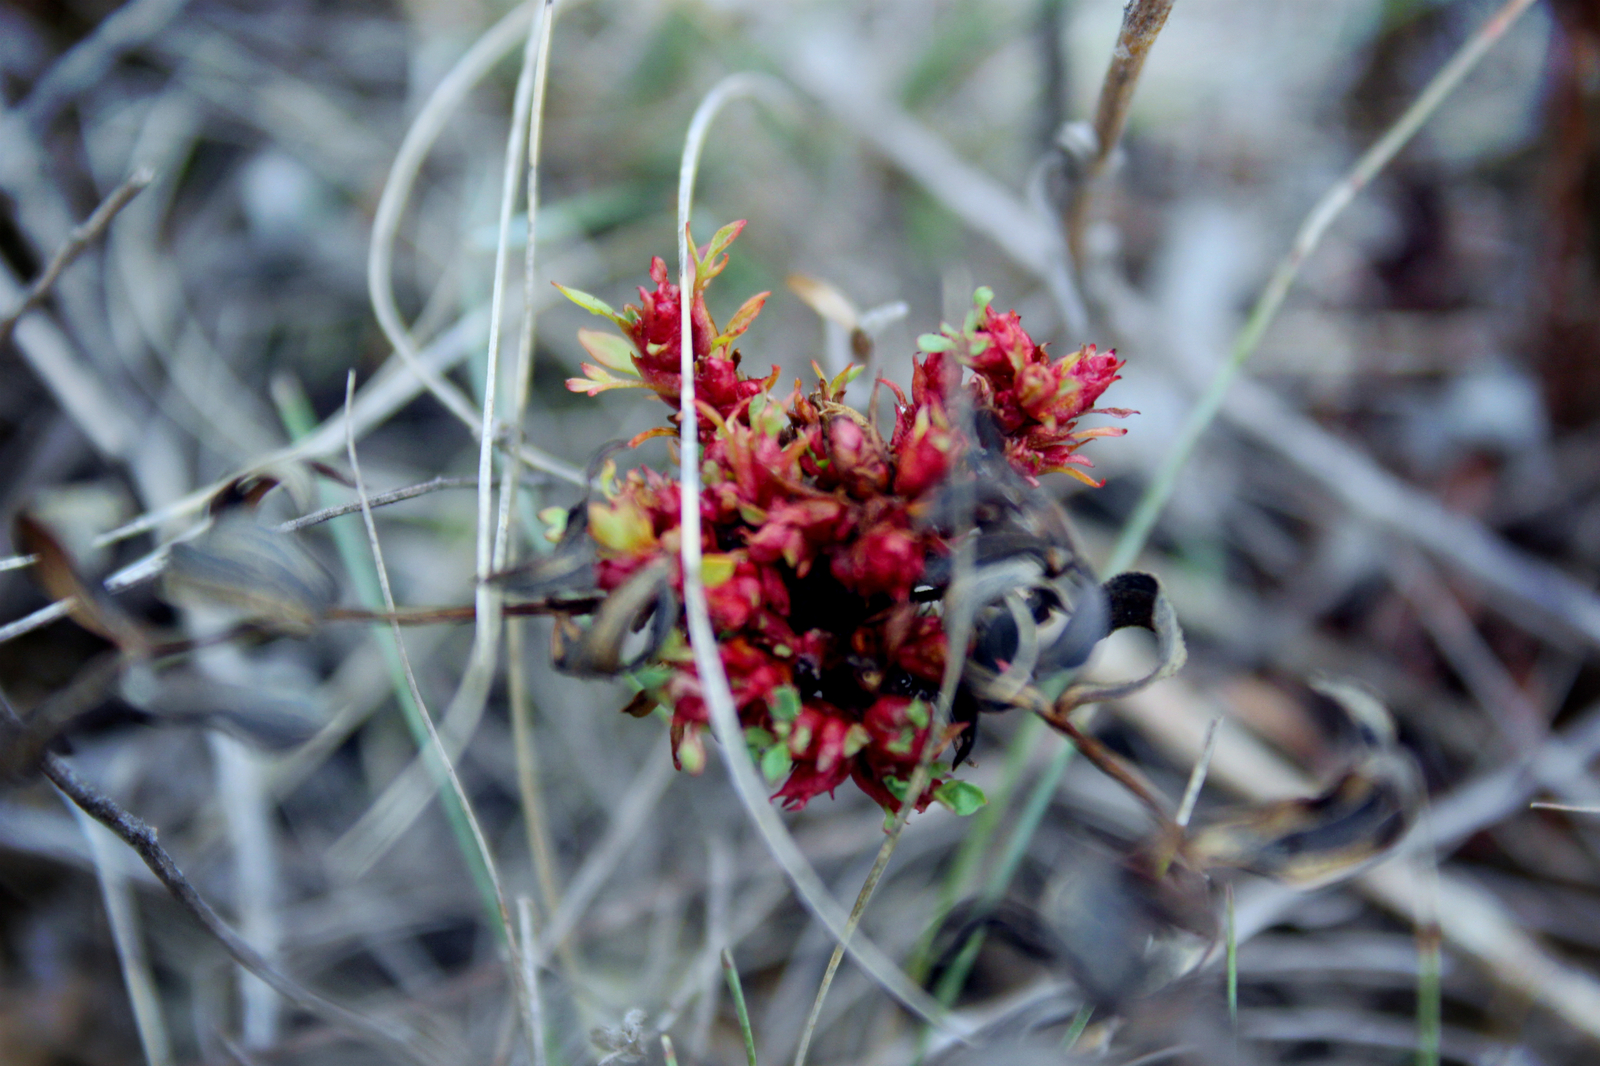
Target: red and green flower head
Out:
[815,560]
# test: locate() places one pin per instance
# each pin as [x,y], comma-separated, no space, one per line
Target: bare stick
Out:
[1197,778]
[77,242]
[1141,23]
[1334,201]
[382,499]
[142,839]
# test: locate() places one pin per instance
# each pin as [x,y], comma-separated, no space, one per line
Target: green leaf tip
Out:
[962,797]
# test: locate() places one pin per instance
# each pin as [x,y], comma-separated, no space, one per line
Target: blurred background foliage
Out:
[1447,332]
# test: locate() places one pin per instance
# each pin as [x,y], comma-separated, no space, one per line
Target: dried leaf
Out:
[827,301]
[266,576]
[643,607]
[1317,840]
[1136,600]
[59,578]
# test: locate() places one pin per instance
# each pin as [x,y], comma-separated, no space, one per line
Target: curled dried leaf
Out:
[58,576]
[267,577]
[1319,839]
[1135,599]
[632,624]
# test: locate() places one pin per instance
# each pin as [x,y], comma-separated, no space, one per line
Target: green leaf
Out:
[717,569]
[555,523]
[982,297]
[758,739]
[609,350]
[896,787]
[743,317]
[722,238]
[842,380]
[599,380]
[962,797]
[785,704]
[933,342]
[592,304]
[918,713]
[652,676]
[776,763]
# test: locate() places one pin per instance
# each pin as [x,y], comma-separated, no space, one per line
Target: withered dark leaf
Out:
[641,706]
[59,578]
[1319,839]
[643,608]
[267,576]
[244,492]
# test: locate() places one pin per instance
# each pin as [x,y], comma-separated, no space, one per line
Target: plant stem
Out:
[1141,23]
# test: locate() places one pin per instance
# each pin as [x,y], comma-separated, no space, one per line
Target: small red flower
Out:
[886,558]
[823,742]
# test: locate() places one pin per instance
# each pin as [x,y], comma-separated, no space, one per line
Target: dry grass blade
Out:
[470,69]
[77,388]
[1197,779]
[1571,808]
[89,59]
[504,553]
[125,933]
[534,1018]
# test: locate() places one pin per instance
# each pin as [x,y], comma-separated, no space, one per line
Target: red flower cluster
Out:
[816,539]
[652,351]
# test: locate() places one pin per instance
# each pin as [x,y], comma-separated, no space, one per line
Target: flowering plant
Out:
[826,547]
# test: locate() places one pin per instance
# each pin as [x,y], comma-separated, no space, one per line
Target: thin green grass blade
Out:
[736,990]
[299,420]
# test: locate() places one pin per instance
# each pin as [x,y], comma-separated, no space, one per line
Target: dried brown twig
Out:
[410,492]
[77,242]
[1141,22]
